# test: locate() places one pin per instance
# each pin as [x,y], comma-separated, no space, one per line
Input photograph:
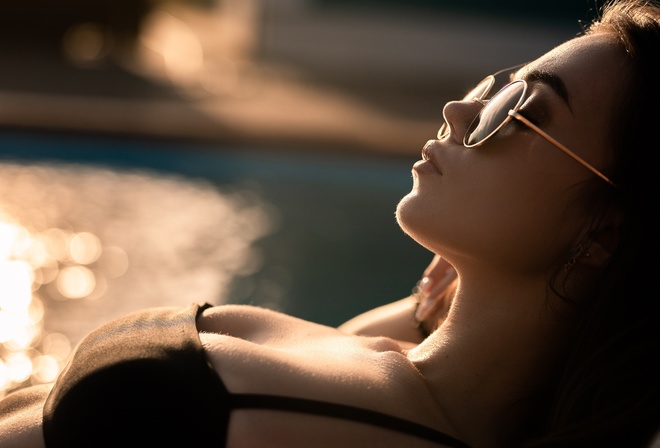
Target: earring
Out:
[581,249]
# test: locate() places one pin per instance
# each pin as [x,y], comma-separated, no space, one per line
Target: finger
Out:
[443,283]
[437,298]
[438,264]
[434,274]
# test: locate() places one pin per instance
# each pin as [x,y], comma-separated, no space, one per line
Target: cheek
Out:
[528,229]
[519,220]
[440,212]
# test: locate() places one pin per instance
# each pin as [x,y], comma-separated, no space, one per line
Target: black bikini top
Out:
[144,380]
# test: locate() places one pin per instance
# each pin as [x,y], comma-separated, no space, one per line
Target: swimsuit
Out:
[144,380]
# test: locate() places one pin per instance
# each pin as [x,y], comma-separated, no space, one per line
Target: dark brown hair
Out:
[609,391]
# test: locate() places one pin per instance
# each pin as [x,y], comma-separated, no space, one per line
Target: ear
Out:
[603,241]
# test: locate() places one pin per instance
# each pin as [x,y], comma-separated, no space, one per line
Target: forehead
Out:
[592,69]
[589,66]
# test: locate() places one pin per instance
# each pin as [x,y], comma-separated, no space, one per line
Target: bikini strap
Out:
[342,411]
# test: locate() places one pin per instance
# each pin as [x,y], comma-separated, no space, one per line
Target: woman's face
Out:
[513,201]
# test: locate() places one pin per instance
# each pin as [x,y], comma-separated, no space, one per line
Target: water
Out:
[92,228]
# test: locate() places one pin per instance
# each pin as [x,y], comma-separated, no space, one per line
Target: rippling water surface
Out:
[81,245]
[91,229]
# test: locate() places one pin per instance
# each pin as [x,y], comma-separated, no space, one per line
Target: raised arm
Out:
[412,318]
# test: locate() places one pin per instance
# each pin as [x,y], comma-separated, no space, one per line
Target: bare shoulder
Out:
[21,417]
[244,320]
[294,353]
[265,352]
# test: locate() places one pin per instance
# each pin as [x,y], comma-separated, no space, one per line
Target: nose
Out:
[459,115]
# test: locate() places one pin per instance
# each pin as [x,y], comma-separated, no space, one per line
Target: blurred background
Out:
[160,152]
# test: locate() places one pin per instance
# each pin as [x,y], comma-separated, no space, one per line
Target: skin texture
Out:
[20,418]
[503,215]
[499,342]
[517,183]
[500,334]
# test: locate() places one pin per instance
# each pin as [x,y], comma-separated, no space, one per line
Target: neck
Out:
[492,356]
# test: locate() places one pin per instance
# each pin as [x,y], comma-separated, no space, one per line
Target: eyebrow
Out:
[553,81]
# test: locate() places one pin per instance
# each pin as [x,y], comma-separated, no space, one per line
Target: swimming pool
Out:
[102,226]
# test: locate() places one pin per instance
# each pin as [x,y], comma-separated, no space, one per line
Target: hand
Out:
[435,292]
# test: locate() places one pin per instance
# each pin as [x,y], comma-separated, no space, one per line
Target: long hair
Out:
[608,393]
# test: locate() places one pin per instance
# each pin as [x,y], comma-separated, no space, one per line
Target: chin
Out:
[408,214]
[416,219]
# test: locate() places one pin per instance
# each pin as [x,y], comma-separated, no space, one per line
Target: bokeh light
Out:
[81,245]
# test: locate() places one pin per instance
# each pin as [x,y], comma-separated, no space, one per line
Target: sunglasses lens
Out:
[494,114]
[480,91]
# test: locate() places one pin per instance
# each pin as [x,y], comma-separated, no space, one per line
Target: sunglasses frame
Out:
[488,82]
[514,113]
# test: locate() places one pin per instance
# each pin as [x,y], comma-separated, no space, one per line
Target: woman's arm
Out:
[412,318]
[20,418]
[394,320]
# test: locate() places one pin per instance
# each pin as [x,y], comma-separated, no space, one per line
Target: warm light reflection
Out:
[46,369]
[86,43]
[20,327]
[80,246]
[202,51]
[84,247]
[175,47]
[76,282]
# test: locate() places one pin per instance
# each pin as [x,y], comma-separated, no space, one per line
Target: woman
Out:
[541,208]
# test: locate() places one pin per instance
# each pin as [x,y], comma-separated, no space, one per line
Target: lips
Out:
[428,158]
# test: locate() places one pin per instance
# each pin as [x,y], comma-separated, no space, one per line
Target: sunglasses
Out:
[502,108]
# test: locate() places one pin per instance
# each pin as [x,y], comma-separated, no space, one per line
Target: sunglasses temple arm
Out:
[564,149]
